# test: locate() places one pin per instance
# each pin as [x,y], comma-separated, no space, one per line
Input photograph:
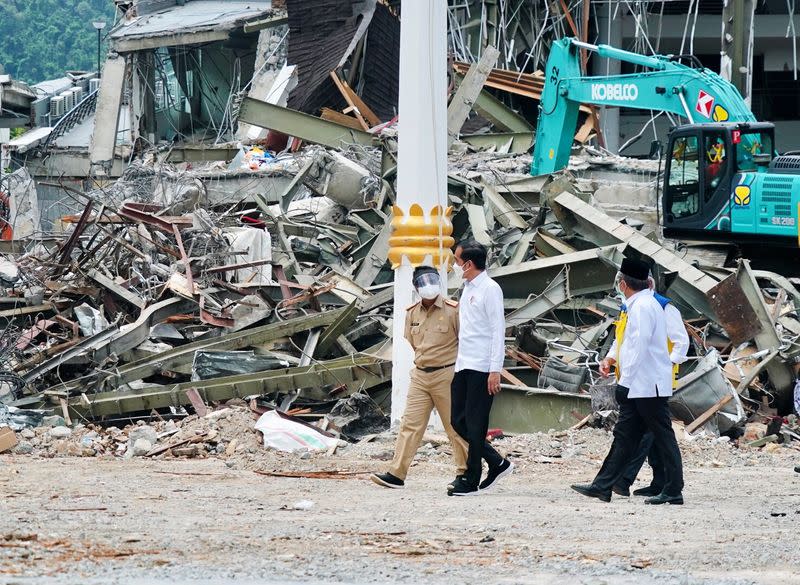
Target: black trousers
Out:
[648,451]
[469,415]
[636,417]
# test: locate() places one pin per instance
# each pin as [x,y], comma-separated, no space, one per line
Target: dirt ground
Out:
[216,520]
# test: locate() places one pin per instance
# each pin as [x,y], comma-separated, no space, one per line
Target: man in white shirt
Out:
[481,351]
[678,346]
[643,389]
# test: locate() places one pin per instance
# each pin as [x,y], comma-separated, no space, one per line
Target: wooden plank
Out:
[582,423]
[585,131]
[706,416]
[524,84]
[65,410]
[199,406]
[743,385]
[333,474]
[165,448]
[340,86]
[340,118]
[568,15]
[585,34]
[512,378]
[365,111]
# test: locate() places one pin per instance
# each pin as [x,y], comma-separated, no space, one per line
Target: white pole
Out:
[422,158]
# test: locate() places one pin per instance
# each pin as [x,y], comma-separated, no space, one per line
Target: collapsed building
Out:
[210,223]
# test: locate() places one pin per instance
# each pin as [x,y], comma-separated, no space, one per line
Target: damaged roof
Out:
[191,18]
[322,35]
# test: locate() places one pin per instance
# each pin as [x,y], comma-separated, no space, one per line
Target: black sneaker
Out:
[387,480]
[462,488]
[453,483]
[494,475]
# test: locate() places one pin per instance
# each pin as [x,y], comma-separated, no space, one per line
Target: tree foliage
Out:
[41,39]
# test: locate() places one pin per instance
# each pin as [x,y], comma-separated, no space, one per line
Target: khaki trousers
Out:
[426,392]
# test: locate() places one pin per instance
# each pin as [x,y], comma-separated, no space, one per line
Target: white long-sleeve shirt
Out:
[645,365]
[482,329]
[676,332]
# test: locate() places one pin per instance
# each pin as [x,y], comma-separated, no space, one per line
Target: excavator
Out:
[723,178]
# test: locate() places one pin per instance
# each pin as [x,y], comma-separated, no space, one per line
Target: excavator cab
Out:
[703,163]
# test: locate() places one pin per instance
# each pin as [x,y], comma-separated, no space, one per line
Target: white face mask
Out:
[617,287]
[429,291]
[458,271]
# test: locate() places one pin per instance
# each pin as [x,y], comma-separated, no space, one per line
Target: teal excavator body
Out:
[722,180]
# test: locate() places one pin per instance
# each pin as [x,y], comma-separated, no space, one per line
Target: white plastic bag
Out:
[287,435]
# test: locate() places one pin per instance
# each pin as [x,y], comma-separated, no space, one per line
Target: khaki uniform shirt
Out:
[433,333]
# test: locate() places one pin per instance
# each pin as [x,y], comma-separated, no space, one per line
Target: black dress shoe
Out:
[665,499]
[621,491]
[592,492]
[647,491]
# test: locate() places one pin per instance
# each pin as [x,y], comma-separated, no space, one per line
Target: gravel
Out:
[212,519]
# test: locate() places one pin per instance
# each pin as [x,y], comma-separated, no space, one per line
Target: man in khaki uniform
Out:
[432,331]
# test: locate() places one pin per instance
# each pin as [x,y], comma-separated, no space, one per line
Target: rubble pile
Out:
[166,298]
[224,432]
[253,264]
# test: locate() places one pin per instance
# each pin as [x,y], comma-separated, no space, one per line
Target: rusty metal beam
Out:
[140,216]
[66,250]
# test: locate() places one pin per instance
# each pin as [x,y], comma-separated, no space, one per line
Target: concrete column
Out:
[106,117]
[421,171]
[609,33]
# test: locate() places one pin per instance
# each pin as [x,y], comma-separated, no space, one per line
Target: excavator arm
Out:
[693,92]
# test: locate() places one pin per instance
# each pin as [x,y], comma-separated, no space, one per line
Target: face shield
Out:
[428,285]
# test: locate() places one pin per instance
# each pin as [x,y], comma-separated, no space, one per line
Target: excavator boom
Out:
[693,92]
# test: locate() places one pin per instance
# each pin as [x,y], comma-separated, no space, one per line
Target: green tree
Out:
[42,39]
